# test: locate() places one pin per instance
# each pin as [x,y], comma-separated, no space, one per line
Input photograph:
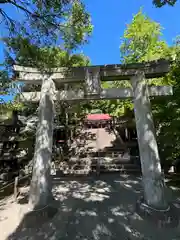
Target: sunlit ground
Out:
[89,208]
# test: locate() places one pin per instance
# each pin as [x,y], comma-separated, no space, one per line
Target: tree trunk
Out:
[150,161]
[41,187]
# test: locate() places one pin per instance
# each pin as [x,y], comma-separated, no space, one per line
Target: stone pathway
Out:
[93,140]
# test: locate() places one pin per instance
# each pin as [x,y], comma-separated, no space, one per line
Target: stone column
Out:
[150,161]
[40,189]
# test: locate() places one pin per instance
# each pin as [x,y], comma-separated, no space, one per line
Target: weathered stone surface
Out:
[153,181]
[92,81]
[168,217]
[107,72]
[111,93]
[40,190]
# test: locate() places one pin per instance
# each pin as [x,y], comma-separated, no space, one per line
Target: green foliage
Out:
[141,41]
[4,82]
[160,3]
[167,114]
[48,22]
[6,85]
[77,28]
[6,109]
[22,52]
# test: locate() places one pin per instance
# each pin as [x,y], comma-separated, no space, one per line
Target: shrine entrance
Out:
[81,146]
[89,78]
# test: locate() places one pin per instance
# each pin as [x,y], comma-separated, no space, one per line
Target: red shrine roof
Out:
[98,116]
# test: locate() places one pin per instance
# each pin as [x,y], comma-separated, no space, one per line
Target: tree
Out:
[160,3]
[22,52]
[44,21]
[4,83]
[141,42]
[166,114]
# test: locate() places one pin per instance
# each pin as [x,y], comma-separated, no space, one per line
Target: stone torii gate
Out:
[51,80]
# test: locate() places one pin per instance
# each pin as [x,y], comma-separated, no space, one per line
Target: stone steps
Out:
[98,165]
[126,158]
[103,170]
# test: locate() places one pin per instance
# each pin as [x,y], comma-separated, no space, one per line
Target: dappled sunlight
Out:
[100,208]
[134,233]
[89,213]
[101,230]
[128,186]
[133,185]
[119,211]
[94,197]
[132,182]
[174,188]
[66,209]
[135,216]
[98,192]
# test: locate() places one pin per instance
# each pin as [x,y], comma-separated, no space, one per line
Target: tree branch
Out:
[7,18]
[4,1]
[160,3]
[34,15]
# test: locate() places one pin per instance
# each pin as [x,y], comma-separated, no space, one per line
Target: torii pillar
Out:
[153,182]
[41,189]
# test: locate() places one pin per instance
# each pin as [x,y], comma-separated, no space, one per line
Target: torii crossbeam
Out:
[92,77]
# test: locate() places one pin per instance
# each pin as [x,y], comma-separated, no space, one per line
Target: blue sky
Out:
[110,17]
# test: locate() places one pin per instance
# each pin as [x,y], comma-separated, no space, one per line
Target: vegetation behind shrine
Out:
[142,41]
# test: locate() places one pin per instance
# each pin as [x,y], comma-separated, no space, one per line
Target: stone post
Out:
[40,189]
[150,161]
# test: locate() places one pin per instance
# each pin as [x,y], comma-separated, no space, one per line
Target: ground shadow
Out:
[101,208]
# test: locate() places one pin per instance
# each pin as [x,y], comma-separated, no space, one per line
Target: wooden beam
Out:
[107,72]
[112,93]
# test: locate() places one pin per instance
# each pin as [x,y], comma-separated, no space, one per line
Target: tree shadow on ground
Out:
[101,208]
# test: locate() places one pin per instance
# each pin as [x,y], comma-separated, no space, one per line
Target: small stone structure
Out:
[51,81]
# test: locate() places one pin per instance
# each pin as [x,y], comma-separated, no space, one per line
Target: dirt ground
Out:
[89,208]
